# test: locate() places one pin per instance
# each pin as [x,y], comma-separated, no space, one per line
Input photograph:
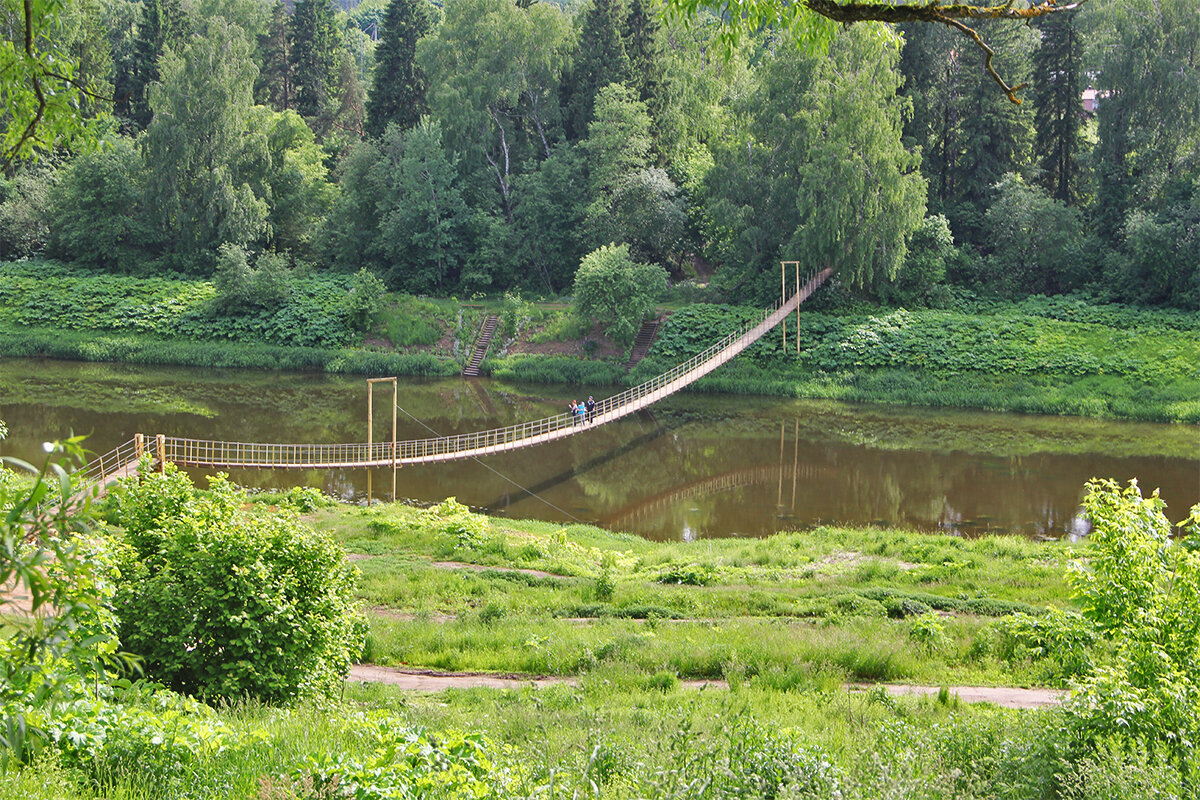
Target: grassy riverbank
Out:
[775,626]
[1046,356]
[778,623]
[451,590]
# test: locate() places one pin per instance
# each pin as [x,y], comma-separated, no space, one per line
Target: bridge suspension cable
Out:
[219,454]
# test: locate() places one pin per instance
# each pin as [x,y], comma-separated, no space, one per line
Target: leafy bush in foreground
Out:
[225,601]
[1142,590]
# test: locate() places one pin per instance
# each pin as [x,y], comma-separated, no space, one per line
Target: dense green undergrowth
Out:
[1042,355]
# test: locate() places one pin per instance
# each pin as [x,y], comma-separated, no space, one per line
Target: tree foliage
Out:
[225,602]
[1142,589]
[41,86]
[195,147]
[613,289]
[398,93]
[820,175]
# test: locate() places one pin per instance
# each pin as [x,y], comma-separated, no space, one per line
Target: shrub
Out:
[611,288]
[365,301]
[1142,590]
[224,600]
[451,518]
[928,632]
[1063,639]
[687,575]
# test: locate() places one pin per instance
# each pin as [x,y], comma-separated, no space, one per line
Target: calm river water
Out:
[693,466]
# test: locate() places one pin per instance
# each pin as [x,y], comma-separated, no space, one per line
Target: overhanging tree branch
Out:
[751,15]
[949,15]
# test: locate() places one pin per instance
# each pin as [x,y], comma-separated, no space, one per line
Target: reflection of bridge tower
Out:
[778,474]
[795,464]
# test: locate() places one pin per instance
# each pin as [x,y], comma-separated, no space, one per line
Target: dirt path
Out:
[424,680]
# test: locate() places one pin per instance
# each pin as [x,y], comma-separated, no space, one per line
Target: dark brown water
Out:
[693,466]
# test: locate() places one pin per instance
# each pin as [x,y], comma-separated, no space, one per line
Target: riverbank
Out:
[630,621]
[446,589]
[1045,356]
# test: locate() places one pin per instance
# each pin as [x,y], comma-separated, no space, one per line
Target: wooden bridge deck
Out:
[204,453]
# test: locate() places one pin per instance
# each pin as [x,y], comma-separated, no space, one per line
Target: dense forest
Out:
[489,145]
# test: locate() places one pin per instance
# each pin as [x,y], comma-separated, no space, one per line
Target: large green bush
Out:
[1142,591]
[222,600]
[615,290]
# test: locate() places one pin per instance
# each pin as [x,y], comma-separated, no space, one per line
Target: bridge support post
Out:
[783,265]
[139,445]
[371,429]
[160,449]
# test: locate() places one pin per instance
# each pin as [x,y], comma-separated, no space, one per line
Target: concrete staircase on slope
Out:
[641,344]
[471,370]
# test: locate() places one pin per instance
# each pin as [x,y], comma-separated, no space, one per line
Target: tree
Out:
[314,52]
[550,218]
[1038,243]
[98,216]
[348,237]
[995,136]
[163,25]
[422,224]
[197,189]
[600,59]
[492,68]
[645,58]
[25,200]
[289,174]
[277,78]
[1149,114]
[611,288]
[820,175]
[398,93]
[1159,262]
[929,250]
[1058,113]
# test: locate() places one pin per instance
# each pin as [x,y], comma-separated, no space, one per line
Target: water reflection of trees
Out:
[928,469]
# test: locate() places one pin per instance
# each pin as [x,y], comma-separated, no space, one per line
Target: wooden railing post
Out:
[160,447]
[139,445]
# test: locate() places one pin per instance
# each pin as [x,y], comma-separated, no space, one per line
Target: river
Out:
[692,466]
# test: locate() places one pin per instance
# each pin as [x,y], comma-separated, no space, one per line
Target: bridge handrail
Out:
[251,454]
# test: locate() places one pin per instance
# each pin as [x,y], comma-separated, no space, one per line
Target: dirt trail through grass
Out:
[423,680]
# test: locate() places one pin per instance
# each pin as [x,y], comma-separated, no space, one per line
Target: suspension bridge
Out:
[122,461]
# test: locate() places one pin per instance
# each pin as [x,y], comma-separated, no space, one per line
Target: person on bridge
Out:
[574,412]
[582,412]
[591,408]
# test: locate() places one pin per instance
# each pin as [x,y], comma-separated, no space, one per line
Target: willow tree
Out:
[820,174]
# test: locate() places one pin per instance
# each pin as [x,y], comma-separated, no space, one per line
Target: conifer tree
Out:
[315,45]
[641,45]
[1058,112]
[599,60]
[276,80]
[398,93]
[163,24]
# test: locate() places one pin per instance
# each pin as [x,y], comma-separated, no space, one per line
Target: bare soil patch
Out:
[484,568]
[426,680]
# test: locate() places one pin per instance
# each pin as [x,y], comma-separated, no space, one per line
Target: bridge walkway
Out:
[218,454]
